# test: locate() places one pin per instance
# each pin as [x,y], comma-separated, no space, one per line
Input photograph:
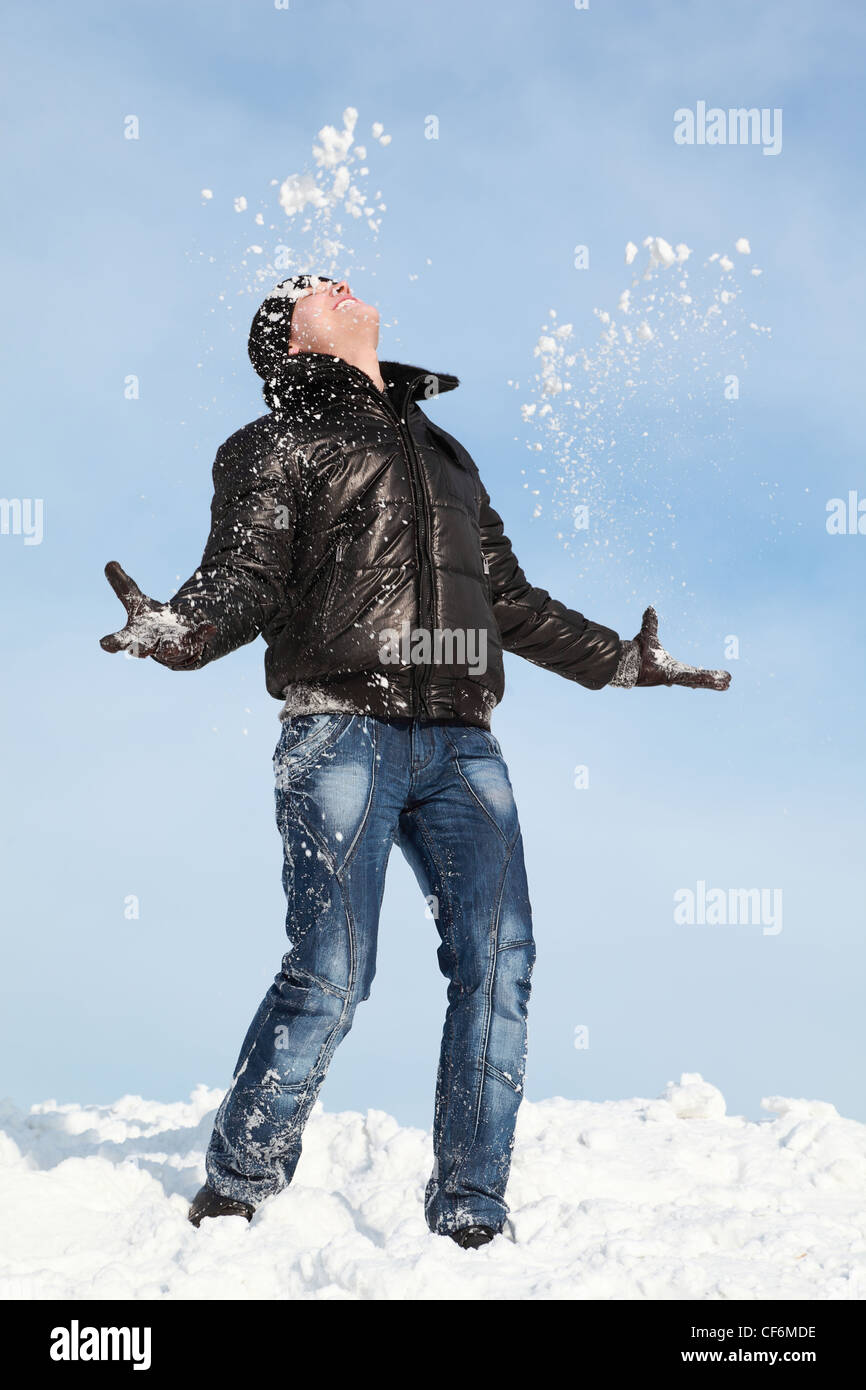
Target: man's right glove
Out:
[153,629]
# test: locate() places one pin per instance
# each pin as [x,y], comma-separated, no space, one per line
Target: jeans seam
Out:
[413,770]
[468,785]
[443,884]
[320,1066]
[327,1048]
[351,851]
[384,874]
[493,938]
[238,1073]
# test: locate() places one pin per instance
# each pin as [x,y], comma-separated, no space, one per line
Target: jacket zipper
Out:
[420,504]
[422,533]
[332,581]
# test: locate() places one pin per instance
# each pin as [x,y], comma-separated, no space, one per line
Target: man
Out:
[359,539]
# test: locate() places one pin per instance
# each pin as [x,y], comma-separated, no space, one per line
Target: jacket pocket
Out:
[333,578]
[488,582]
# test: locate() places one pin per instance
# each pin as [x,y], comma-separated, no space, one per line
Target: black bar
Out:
[253,1336]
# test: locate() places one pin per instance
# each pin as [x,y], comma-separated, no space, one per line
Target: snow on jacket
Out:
[345,525]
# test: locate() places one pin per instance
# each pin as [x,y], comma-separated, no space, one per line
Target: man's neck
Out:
[364,359]
[368,362]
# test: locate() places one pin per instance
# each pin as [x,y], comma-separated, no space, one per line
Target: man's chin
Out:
[359,313]
[363,333]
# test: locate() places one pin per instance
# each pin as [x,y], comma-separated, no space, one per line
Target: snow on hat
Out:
[269,331]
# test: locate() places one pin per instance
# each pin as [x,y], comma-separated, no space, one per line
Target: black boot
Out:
[470,1237]
[206,1202]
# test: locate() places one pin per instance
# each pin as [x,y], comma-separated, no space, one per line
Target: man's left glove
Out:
[644,661]
[153,629]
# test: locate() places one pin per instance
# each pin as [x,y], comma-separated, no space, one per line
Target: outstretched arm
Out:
[538,627]
[243,576]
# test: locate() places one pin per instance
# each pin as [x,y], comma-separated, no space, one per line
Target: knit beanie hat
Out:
[269,333]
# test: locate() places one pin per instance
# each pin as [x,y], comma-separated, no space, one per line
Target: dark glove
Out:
[645,662]
[153,629]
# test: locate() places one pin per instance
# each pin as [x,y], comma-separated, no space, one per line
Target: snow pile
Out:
[603,419]
[634,1199]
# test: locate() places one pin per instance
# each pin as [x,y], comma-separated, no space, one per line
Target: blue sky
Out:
[555,128]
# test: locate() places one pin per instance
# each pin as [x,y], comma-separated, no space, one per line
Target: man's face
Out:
[331,319]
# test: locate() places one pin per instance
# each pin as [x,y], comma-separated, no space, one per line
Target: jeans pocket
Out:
[471,741]
[303,739]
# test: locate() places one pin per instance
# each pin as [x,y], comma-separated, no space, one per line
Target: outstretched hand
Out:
[153,629]
[658,667]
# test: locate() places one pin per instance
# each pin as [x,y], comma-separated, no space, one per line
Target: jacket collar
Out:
[400,378]
[333,376]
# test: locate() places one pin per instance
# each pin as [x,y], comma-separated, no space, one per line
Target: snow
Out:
[661,252]
[298,190]
[334,144]
[333,155]
[324,218]
[666,350]
[303,697]
[160,624]
[633,1199]
[333,186]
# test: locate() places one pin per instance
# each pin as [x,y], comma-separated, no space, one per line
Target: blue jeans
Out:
[348,787]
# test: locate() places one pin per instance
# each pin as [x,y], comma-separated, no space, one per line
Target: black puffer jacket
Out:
[344,513]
